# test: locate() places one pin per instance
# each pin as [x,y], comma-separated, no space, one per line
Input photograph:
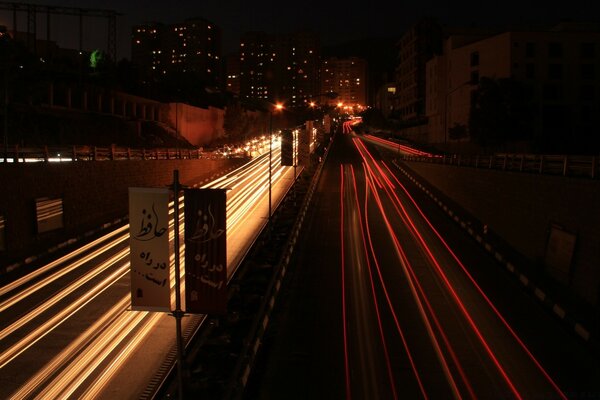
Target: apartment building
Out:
[558,69]
[192,47]
[280,67]
[416,46]
[348,78]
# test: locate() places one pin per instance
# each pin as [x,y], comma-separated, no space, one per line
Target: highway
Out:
[390,299]
[66,329]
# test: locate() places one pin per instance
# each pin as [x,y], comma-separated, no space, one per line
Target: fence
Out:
[565,165]
[94,153]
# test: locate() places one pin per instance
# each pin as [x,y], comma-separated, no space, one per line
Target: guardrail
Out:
[565,165]
[95,153]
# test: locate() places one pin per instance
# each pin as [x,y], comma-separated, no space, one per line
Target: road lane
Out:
[67,329]
[435,295]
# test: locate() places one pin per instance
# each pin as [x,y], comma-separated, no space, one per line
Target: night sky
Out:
[335,21]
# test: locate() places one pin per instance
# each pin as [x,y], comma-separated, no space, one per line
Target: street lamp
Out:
[277,107]
[5,130]
[447,114]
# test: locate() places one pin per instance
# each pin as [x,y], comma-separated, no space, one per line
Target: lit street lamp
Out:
[278,107]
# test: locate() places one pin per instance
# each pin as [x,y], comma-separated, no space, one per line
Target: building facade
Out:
[418,45]
[280,67]
[557,70]
[192,47]
[257,60]
[348,78]
[232,74]
[384,98]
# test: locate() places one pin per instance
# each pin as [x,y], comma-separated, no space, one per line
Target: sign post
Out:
[177,313]
[205,256]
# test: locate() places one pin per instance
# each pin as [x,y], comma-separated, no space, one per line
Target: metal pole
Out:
[295,157]
[178,313]
[5,113]
[177,128]
[270,156]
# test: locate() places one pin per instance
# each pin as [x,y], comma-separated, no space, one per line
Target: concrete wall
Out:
[522,208]
[93,193]
[199,126]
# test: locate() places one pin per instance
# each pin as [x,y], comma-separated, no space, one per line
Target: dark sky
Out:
[336,21]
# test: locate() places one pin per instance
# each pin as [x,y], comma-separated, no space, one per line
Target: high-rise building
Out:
[232,74]
[297,62]
[147,50]
[347,77]
[257,59]
[282,67]
[192,47]
[421,42]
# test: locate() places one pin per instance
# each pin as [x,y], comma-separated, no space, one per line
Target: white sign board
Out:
[149,249]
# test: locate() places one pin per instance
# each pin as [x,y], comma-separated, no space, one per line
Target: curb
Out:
[558,310]
[253,346]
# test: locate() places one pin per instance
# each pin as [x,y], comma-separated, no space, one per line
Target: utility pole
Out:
[5,113]
[270,158]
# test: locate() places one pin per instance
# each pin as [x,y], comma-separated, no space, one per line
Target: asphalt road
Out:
[388,298]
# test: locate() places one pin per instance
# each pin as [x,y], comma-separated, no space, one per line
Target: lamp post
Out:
[5,137]
[446,113]
[278,106]
[270,160]
[6,54]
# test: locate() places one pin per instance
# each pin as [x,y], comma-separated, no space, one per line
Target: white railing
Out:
[565,165]
[95,153]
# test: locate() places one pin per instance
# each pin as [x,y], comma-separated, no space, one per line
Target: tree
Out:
[499,112]
[374,117]
[458,131]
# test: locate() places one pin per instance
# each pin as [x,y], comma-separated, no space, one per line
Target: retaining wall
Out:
[93,193]
[539,215]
